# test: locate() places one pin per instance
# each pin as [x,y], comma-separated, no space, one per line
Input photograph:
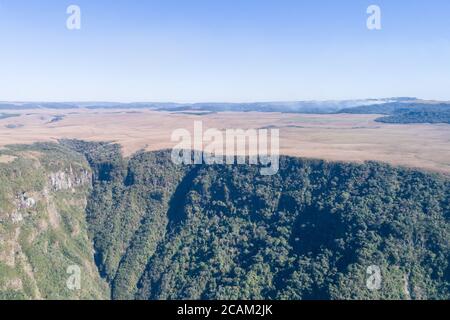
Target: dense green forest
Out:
[425,115]
[145,228]
[397,112]
[162,231]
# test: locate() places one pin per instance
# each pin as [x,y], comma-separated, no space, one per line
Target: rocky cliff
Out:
[45,251]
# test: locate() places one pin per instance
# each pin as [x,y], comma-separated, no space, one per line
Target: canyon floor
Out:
[338,137]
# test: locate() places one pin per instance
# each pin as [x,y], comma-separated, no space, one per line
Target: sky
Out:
[223,50]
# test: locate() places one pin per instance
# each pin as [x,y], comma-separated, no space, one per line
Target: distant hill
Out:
[425,114]
[317,107]
[398,112]
[280,106]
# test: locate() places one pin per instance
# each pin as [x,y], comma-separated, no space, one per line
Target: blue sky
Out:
[223,50]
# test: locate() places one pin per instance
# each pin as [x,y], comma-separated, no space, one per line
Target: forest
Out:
[401,112]
[163,231]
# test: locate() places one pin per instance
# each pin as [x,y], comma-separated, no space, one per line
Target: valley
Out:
[95,190]
[141,227]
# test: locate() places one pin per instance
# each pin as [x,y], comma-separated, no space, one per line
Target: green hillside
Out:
[162,231]
[43,231]
[310,232]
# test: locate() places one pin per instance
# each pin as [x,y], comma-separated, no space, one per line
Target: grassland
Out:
[341,137]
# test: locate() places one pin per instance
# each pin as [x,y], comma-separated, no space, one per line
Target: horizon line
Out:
[214,102]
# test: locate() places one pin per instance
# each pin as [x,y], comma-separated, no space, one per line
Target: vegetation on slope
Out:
[43,232]
[127,210]
[225,232]
[162,231]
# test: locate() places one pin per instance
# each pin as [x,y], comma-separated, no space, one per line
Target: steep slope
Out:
[219,232]
[127,211]
[310,232]
[154,230]
[43,232]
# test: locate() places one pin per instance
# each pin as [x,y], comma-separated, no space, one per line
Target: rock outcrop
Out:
[69,179]
[43,227]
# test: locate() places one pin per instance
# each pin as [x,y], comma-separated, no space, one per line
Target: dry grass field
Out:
[332,137]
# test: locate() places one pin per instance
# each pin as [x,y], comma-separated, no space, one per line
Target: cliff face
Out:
[45,251]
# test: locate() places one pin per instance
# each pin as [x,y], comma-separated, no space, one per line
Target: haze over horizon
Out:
[212,102]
